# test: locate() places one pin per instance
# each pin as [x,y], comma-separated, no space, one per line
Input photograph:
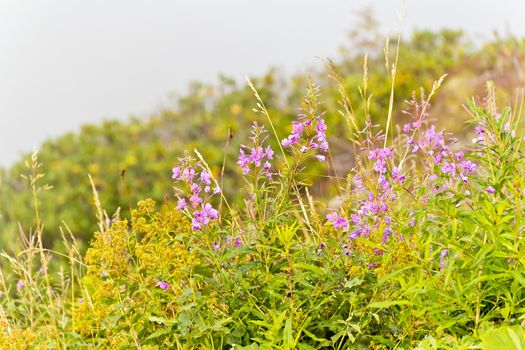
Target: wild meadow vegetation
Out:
[346,218]
[208,114]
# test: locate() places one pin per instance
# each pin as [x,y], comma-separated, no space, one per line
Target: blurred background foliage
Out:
[131,160]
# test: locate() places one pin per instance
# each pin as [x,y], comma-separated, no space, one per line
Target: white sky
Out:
[64,63]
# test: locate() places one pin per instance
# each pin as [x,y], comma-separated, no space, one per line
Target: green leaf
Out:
[356,281]
[387,304]
[507,338]
[289,342]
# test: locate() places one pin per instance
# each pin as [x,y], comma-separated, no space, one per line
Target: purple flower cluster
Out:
[308,135]
[380,156]
[339,222]
[463,169]
[374,208]
[397,175]
[255,157]
[430,141]
[372,211]
[199,184]
[432,144]
[203,217]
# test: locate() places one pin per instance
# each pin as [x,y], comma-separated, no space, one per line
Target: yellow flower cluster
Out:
[125,264]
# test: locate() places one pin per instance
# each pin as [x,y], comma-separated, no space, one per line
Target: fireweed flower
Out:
[397,176]
[480,134]
[163,285]
[339,222]
[308,135]
[380,156]
[205,177]
[176,173]
[256,158]
[188,174]
[432,145]
[379,194]
[468,166]
[462,170]
[378,182]
[203,217]
[196,180]
[448,168]
[369,212]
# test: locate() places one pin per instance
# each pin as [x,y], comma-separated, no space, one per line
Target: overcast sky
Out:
[65,63]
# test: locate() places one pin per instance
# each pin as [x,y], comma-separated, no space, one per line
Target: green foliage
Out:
[511,338]
[422,246]
[278,276]
[130,160]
